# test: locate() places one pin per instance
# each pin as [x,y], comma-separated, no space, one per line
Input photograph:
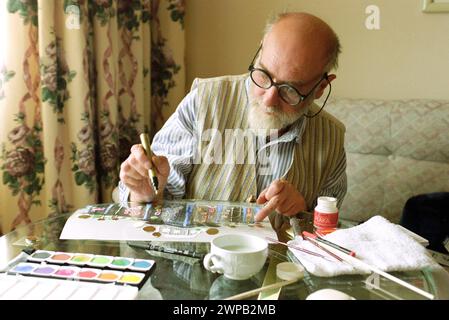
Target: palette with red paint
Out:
[87,274]
[59,257]
[85,267]
[66,272]
[92,260]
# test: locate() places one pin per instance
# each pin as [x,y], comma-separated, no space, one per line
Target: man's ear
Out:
[323,85]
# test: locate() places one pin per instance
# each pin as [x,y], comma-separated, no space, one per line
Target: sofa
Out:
[395,149]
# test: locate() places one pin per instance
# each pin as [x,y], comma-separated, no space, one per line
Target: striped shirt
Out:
[178,138]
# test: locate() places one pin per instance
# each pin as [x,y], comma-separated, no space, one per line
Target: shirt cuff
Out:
[123,193]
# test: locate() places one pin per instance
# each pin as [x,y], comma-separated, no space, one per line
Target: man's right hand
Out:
[134,174]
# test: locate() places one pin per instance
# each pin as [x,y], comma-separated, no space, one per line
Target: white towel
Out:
[376,242]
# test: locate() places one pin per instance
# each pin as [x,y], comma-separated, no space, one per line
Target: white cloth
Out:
[376,242]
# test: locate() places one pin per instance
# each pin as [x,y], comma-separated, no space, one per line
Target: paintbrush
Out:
[145,140]
[297,248]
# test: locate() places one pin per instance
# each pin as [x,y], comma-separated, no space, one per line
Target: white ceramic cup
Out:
[236,256]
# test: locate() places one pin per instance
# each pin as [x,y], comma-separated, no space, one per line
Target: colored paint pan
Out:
[40,255]
[67,272]
[81,258]
[45,270]
[60,257]
[88,274]
[141,265]
[24,267]
[133,278]
[100,261]
[121,263]
[109,276]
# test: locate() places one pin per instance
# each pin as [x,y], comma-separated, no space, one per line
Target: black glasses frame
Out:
[302,97]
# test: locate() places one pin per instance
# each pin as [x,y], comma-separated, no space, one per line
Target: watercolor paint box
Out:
[18,287]
[91,260]
[76,273]
[84,267]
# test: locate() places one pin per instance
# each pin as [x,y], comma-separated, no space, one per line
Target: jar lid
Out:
[327,203]
[289,271]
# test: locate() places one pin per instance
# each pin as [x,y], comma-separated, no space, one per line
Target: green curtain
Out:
[79,80]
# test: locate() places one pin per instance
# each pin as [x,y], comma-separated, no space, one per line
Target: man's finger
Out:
[131,182]
[161,165]
[275,188]
[261,199]
[287,208]
[265,211]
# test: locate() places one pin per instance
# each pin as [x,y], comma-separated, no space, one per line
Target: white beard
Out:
[263,118]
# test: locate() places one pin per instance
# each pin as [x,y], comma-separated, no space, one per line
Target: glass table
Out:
[177,277]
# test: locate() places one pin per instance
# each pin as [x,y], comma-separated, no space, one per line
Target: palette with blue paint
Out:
[91,260]
[85,267]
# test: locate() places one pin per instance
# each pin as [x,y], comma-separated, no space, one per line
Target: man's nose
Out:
[271,96]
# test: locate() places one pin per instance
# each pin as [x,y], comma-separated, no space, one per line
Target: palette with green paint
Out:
[85,267]
[81,259]
[91,260]
[100,261]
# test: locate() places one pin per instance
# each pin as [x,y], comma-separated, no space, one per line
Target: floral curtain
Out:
[79,80]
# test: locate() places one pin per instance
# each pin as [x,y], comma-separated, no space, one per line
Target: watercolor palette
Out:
[91,260]
[17,287]
[84,267]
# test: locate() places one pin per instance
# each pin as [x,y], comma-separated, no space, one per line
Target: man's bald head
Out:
[307,35]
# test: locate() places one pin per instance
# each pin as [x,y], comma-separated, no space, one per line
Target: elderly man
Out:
[300,155]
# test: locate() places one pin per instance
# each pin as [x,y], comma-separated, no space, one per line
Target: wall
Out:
[407,58]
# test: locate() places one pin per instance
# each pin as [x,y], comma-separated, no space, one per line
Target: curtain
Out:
[79,80]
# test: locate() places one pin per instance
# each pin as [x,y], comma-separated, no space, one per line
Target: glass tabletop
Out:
[177,277]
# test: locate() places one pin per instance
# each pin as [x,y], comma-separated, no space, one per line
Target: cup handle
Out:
[213,266]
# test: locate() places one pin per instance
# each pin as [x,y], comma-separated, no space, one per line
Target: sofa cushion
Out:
[367,124]
[420,130]
[395,149]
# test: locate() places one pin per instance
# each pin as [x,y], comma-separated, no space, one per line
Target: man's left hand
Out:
[282,197]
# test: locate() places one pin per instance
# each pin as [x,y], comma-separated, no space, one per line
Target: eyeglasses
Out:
[287,92]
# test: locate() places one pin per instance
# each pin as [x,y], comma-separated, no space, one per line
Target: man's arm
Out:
[176,141]
[337,184]
[282,197]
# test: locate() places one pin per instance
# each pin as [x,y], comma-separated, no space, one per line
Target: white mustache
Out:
[270,109]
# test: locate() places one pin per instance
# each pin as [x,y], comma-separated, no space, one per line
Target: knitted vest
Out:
[222,105]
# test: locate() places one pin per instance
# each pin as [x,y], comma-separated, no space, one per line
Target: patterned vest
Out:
[222,104]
